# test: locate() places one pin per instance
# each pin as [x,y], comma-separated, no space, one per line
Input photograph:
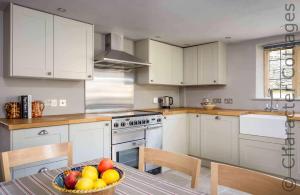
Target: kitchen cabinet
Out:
[205,64]
[194,131]
[175,133]
[262,156]
[28,42]
[166,63]
[219,138]
[41,45]
[73,49]
[90,141]
[190,65]
[36,137]
[211,64]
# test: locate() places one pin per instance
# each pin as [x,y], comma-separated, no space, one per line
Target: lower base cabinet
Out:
[175,134]
[262,156]
[194,132]
[219,138]
[90,141]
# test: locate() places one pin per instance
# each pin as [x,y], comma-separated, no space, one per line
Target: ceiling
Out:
[179,22]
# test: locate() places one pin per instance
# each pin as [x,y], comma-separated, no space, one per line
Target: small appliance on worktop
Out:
[165,101]
[133,129]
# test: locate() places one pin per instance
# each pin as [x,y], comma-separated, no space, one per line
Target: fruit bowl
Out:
[59,184]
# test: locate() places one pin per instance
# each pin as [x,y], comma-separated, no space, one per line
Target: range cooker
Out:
[133,129]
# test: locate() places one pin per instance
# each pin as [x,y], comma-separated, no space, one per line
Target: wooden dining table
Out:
[135,183]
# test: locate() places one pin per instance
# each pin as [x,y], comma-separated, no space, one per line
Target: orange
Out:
[110,176]
[84,184]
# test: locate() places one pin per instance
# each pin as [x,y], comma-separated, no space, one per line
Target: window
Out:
[281,72]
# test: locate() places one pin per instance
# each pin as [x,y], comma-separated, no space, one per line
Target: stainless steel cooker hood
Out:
[115,58]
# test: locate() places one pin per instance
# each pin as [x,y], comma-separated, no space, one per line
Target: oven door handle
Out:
[129,130]
[154,126]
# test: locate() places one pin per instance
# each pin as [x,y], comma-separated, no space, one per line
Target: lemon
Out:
[110,176]
[99,183]
[84,184]
[90,172]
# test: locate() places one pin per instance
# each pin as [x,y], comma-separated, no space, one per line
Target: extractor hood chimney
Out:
[115,58]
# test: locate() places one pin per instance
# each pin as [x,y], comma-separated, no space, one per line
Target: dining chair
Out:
[179,162]
[24,156]
[248,181]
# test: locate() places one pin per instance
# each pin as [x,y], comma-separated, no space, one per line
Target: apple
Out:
[105,164]
[71,179]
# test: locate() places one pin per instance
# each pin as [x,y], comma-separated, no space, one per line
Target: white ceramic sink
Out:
[263,125]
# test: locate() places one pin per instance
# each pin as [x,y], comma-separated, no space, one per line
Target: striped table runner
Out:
[135,183]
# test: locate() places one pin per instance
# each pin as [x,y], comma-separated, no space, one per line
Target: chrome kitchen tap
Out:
[271,107]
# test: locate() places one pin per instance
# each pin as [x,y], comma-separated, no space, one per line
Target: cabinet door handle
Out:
[43,132]
[217,118]
[181,83]
[49,73]
[44,169]
[197,115]
[89,76]
[106,124]
[215,81]
[151,81]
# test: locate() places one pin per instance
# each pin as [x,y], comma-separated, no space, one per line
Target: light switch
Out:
[155,100]
[53,102]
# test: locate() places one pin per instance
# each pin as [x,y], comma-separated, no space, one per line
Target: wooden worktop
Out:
[14,124]
[217,111]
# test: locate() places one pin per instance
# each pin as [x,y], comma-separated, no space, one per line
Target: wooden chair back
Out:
[182,163]
[24,156]
[246,180]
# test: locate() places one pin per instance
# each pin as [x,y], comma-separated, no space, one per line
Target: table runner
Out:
[135,183]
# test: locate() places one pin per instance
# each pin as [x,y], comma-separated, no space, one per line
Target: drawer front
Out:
[39,136]
[37,167]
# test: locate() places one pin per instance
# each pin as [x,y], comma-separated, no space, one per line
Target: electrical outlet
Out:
[228,100]
[47,102]
[155,100]
[53,102]
[62,102]
[217,100]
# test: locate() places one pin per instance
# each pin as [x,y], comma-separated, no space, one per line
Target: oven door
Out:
[127,153]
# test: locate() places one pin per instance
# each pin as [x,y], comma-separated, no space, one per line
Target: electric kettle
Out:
[165,101]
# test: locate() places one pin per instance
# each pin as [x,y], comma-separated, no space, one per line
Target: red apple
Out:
[105,164]
[71,179]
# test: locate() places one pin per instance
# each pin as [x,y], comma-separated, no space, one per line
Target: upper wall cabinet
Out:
[205,64]
[166,63]
[73,49]
[41,45]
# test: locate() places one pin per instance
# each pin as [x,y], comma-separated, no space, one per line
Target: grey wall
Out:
[40,89]
[241,85]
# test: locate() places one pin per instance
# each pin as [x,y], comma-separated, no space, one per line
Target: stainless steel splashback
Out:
[110,90]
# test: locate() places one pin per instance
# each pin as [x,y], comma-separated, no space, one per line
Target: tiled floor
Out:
[185,180]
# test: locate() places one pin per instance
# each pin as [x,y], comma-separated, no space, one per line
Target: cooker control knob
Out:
[139,122]
[143,121]
[131,123]
[159,120]
[116,125]
[147,121]
[123,124]
[135,122]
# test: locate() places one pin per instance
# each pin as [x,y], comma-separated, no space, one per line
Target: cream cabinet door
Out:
[73,49]
[177,65]
[219,138]
[194,134]
[190,65]
[160,56]
[262,156]
[175,134]
[32,43]
[90,141]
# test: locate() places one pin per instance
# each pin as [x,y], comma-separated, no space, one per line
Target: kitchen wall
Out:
[40,89]
[241,75]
